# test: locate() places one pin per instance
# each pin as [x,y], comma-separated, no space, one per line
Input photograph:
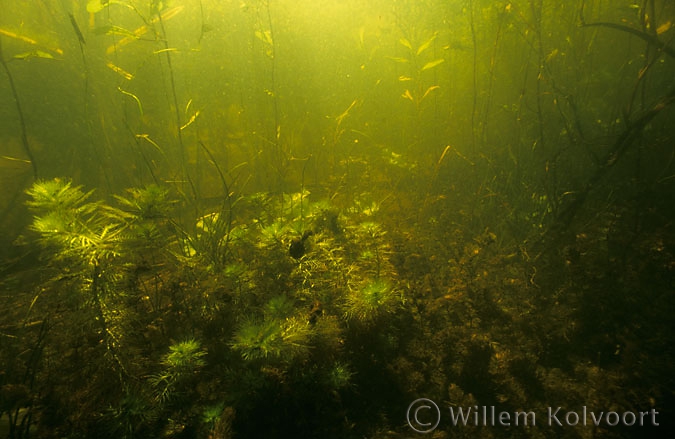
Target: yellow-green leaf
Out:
[33,54]
[406,43]
[664,27]
[432,64]
[552,55]
[94,6]
[114,30]
[429,90]
[424,46]
[408,95]
[398,59]
[265,37]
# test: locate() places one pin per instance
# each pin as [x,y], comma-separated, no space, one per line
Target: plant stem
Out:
[172,82]
[228,202]
[491,77]
[22,121]
[273,78]
[475,76]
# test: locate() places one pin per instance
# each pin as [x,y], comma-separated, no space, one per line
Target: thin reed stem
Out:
[22,121]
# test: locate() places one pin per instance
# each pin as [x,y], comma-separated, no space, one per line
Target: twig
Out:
[623,142]
[650,39]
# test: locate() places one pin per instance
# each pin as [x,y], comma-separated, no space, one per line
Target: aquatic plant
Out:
[212,413]
[371,300]
[257,339]
[373,250]
[132,415]
[57,195]
[185,356]
[89,232]
[218,420]
[149,203]
[208,243]
[184,359]
[339,376]
[280,319]
[273,235]
[415,58]
[83,244]
[272,338]
[279,307]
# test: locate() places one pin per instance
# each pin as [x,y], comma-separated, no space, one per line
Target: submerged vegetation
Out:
[292,219]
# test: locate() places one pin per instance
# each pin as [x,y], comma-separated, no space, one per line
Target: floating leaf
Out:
[398,59]
[33,54]
[134,97]
[424,46]
[664,27]
[429,90]
[126,75]
[408,95]
[189,122]
[168,49]
[113,30]
[94,6]
[29,40]
[150,141]
[406,43]
[167,14]
[432,64]
[14,159]
[552,55]
[265,37]
[138,33]
[17,36]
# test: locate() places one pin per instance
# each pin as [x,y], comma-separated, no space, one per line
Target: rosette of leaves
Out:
[146,213]
[71,225]
[373,299]
[151,203]
[180,364]
[273,338]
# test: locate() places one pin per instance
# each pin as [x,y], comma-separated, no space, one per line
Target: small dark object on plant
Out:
[297,247]
[315,312]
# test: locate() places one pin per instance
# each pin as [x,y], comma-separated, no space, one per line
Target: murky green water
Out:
[296,218]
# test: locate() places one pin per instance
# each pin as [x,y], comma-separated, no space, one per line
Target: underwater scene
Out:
[371,219]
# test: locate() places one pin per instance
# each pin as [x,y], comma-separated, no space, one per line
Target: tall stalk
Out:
[536,20]
[86,110]
[19,110]
[172,83]
[219,252]
[179,125]
[273,79]
[279,159]
[475,76]
[493,62]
